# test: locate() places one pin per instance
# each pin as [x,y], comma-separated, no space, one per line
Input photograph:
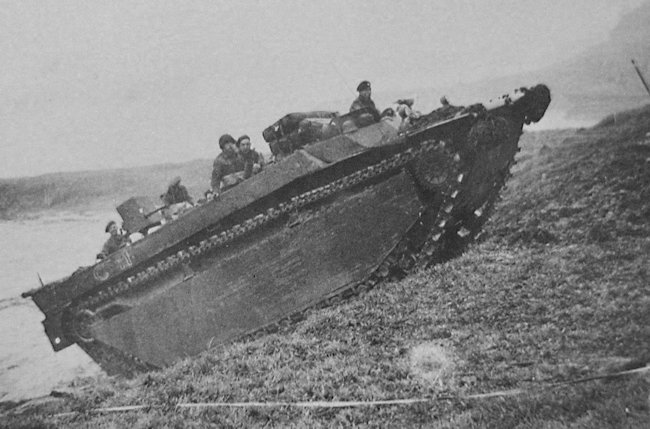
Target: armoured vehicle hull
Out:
[330,219]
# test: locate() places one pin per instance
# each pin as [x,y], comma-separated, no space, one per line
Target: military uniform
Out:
[252,158]
[175,194]
[359,104]
[223,166]
[113,243]
[365,102]
[369,116]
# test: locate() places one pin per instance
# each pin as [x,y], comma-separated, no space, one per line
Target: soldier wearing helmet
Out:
[226,165]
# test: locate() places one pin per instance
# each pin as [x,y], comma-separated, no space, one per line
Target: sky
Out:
[107,84]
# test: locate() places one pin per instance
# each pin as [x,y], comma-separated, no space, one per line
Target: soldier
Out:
[176,193]
[364,100]
[227,166]
[116,241]
[176,200]
[253,161]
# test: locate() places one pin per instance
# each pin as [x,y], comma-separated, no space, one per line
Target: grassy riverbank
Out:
[558,292]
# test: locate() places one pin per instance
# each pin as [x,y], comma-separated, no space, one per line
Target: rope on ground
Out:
[348,404]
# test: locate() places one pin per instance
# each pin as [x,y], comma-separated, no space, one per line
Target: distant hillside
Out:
[599,82]
[97,190]
[602,80]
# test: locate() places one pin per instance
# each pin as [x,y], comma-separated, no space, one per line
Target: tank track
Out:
[468,228]
[413,251]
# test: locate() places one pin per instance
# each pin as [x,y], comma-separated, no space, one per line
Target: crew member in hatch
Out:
[227,166]
[117,240]
[176,193]
[364,101]
[253,161]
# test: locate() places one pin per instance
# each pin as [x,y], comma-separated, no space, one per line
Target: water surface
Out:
[52,247]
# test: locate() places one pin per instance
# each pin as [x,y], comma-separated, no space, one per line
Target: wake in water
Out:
[12,302]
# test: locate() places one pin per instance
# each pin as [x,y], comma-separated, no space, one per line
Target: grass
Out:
[558,291]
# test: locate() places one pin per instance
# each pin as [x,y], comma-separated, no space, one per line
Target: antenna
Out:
[40,280]
[640,76]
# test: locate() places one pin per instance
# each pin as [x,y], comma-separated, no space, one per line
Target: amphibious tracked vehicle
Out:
[347,203]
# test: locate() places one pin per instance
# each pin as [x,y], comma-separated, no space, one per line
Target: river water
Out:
[53,247]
